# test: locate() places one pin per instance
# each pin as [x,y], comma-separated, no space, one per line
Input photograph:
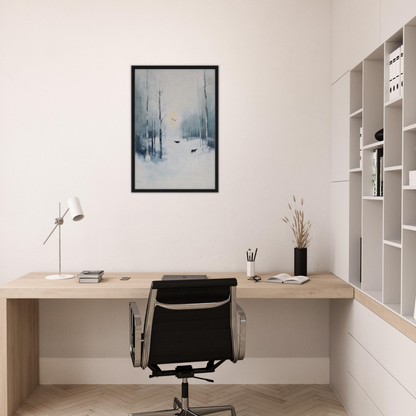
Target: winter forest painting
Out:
[174,129]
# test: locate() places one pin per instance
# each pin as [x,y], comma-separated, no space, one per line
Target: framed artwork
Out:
[174,144]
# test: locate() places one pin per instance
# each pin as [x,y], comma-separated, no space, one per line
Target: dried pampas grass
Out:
[299,227]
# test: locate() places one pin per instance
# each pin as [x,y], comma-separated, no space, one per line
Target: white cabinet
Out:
[339,229]
[340,38]
[340,105]
[364,29]
[370,362]
[394,14]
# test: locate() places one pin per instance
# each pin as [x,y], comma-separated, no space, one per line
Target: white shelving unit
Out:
[384,227]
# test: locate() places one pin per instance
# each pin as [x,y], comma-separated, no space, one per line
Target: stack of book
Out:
[378,172]
[412,178]
[91,276]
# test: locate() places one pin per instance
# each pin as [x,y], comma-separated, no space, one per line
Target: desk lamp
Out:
[75,210]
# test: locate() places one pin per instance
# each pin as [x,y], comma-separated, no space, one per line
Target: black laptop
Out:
[184,276]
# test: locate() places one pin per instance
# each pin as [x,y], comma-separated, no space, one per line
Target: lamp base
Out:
[59,276]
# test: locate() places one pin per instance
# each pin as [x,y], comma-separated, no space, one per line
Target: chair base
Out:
[179,410]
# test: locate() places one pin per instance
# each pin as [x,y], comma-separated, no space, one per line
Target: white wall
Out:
[65,131]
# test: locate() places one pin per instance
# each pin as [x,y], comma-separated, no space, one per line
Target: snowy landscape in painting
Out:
[174,129]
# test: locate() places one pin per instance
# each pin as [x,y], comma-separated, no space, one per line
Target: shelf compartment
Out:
[409,109]
[355,125]
[409,155]
[390,46]
[409,273]
[356,89]
[367,155]
[372,246]
[373,104]
[409,209]
[393,131]
[355,215]
[392,275]
[392,205]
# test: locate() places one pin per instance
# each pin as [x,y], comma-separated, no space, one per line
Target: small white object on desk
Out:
[287,278]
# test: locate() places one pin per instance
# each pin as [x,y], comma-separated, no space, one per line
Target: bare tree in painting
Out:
[161,109]
[199,114]
[206,83]
[153,136]
[147,115]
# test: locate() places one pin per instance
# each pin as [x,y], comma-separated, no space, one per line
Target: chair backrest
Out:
[190,321]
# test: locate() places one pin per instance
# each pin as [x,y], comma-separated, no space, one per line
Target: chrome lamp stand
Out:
[77,215]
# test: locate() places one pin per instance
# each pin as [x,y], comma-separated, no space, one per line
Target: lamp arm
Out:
[58,221]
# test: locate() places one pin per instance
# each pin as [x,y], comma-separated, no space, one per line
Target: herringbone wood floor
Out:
[121,400]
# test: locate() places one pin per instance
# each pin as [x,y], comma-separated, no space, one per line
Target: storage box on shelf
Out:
[386,222]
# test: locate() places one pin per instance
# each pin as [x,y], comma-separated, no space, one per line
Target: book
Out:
[90,280]
[286,278]
[377,173]
[91,273]
[381,170]
[374,173]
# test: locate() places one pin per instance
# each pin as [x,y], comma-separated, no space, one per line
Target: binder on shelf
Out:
[391,57]
[401,69]
[394,74]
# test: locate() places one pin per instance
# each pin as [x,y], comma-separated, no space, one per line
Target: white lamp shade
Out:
[75,209]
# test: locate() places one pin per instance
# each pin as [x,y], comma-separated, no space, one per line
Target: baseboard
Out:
[248,371]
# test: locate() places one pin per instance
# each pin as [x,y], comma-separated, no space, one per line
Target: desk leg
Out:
[19,352]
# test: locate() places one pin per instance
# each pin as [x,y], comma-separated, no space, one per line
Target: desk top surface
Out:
[35,286]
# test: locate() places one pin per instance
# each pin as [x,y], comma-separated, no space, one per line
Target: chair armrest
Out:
[135,335]
[241,331]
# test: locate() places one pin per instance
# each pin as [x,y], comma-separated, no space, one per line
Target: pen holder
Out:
[251,269]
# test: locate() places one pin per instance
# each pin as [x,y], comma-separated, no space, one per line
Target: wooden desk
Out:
[19,315]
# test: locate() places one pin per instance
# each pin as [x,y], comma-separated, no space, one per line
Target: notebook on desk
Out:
[184,276]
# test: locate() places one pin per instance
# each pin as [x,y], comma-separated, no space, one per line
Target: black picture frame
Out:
[195,151]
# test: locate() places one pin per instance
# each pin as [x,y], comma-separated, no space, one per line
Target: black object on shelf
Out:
[301,261]
[379,135]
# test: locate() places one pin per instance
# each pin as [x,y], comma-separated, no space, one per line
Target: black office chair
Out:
[188,321]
